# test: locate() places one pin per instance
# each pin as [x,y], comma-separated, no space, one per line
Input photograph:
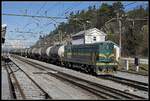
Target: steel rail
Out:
[47,96]
[16,82]
[11,87]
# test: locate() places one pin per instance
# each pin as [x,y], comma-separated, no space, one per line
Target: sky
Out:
[43,26]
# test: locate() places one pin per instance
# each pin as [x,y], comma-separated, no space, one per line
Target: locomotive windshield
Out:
[106,46]
[105,51]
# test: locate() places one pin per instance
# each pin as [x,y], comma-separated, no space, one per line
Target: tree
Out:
[134,38]
[94,8]
[104,14]
[118,8]
[90,8]
[40,37]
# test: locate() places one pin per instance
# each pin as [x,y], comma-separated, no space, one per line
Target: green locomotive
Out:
[97,58]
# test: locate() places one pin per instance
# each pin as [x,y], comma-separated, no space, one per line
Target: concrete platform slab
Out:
[6,93]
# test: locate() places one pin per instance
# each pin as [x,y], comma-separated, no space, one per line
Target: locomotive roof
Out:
[96,43]
[113,43]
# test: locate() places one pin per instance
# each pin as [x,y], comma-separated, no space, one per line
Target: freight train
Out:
[97,58]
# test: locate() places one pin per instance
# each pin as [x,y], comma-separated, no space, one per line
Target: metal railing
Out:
[141,61]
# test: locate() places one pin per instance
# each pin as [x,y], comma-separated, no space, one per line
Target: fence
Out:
[129,63]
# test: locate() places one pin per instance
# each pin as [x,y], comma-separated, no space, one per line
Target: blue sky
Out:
[55,8]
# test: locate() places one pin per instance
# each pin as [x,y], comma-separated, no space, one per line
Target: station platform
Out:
[6,92]
[134,77]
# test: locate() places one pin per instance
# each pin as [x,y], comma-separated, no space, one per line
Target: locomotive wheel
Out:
[70,65]
[87,68]
[93,71]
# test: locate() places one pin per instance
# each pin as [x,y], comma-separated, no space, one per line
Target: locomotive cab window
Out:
[94,38]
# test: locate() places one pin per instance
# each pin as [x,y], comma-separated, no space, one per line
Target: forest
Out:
[134,27]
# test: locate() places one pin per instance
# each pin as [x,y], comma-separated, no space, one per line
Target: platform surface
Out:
[6,94]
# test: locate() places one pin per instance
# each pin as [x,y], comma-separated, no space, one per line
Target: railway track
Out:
[102,91]
[18,79]
[132,83]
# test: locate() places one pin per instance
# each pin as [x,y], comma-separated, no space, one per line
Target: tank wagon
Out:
[42,54]
[96,58]
[56,54]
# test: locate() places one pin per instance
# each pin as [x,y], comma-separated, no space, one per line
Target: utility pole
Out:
[60,36]
[119,20]
[84,31]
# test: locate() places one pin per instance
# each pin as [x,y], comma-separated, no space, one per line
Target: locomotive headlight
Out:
[101,56]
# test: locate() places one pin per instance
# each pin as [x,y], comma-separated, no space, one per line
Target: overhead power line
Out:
[47,17]
[27,32]
[41,8]
[22,32]
[129,4]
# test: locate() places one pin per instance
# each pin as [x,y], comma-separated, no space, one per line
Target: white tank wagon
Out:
[61,51]
[56,53]
[26,52]
[13,51]
[22,52]
[39,51]
[29,52]
[42,53]
[34,52]
[45,53]
[18,51]
[48,51]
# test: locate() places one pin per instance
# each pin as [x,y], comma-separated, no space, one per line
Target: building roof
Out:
[88,31]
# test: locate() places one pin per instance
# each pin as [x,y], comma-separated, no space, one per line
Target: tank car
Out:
[56,54]
[26,52]
[43,55]
[29,52]
[48,57]
[33,53]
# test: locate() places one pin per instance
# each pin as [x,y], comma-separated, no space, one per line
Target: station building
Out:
[88,36]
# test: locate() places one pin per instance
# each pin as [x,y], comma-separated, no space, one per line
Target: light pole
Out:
[120,31]
[120,25]
[84,25]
